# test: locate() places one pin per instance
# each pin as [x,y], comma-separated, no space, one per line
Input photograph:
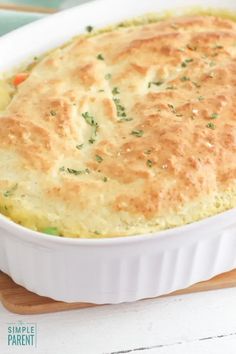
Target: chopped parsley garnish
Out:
[98,158]
[186,62]
[11,191]
[214,115]
[137,133]
[149,163]
[53,113]
[51,231]
[80,147]
[115,91]
[88,118]
[156,83]
[89,29]
[125,119]
[91,140]
[148,152]
[185,78]
[108,76]
[105,179]
[172,108]
[35,58]
[120,109]
[211,126]
[212,63]
[191,47]
[101,90]
[196,84]
[100,57]
[200,98]
[171,87]
[218,47]
[72,171]
[91,121]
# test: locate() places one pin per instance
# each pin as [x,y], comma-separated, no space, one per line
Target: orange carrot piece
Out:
[19,78]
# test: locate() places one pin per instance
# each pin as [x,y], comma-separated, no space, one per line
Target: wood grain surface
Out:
[17,299]
[26,8]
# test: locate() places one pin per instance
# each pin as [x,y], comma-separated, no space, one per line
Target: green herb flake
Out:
[108,76]
[80,147]
[156,83]
[218,46]
[120,109]
[11,191]
[148,152]
[137,133]
[35,58]
[214,116]
[88,118]
[91,121]
[100,57]
[196,84]
[171,87]
[212,63]
[105,179]
[77,172]
[53,113]
[149,163]
[51,231]
[115,91]
[186,62]
[185,78]
[91,140]
[125,119]
[172,108]
[89,29]
[98,158]
[191,47]
[200,98]
[211,126]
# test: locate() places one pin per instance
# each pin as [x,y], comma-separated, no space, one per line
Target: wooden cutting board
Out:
[26,8]
[17,299]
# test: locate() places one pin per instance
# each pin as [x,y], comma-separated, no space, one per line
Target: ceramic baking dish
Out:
[119,269]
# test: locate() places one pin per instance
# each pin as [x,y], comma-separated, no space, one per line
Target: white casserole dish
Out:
[119,269]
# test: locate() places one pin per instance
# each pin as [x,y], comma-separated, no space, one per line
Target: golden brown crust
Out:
[126,132]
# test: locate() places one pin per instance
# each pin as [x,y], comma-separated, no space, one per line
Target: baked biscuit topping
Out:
[127,132]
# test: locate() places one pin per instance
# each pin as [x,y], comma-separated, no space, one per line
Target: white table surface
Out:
[200,323]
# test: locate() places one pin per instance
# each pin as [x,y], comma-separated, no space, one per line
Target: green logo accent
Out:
[22,334]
